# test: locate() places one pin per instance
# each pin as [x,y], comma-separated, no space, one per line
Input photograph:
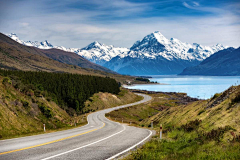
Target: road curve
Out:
[99,139]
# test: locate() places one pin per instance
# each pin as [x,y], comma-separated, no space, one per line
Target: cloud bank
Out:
[121,22]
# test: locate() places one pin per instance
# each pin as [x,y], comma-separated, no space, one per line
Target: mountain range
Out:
[154,54]
[14,55]
[223,63]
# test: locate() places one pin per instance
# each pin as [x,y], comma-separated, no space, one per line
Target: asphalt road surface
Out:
[99,139]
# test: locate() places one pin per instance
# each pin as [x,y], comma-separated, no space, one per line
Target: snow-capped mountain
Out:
[95,52]
[155,44]
[101,53]
[42,45]
[154,54]
[222,63]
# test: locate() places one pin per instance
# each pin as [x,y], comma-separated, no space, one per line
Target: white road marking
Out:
[116,155]
[124,128]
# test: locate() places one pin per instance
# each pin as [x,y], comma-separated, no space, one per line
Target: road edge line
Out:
[132,147]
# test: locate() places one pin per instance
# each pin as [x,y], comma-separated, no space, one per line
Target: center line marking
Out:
[16,150]
[85,145]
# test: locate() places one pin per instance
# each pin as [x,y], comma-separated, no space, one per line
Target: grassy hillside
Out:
[24,114]
[70,91]
[106,100]
[204,129]
[21,114]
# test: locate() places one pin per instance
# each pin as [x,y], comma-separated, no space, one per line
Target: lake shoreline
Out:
[195,86]
[132,85]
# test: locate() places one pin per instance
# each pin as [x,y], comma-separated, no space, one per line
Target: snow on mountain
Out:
[98,52]
[155,44]
[42,45]
[222,63]
[169,56]
[15,38]
[95,52]
[151,46]
[157,55]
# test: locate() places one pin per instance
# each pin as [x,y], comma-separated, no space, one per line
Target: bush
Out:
[234,101]
[216,96]
[214,134]
[143,79]
[192,125]
[25,103]
[201,111]
[6,80]
[237,98]
[45,110]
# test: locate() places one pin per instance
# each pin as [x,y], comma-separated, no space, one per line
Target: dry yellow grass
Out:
[106,100]
[19,120]
[166,110]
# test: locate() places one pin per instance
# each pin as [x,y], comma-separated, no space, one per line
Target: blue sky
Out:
[76,23]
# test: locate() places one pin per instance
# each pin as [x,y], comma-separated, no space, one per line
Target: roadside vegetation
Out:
[192,129]
[26,103]
[69,91]
[101,100]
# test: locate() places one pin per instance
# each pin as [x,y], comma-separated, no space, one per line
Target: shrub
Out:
[45,110]
[201,111]
[6,80]
[216,96]
[192,125]
[214,134]
[25,103]
[234,101]
[143,79]
[237,98]
[236,138]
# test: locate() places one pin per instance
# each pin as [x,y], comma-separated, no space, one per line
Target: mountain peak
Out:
[154,42]
[160,37]
[94,44]
[12,34]
[46,44]
[15,37]
[157,32]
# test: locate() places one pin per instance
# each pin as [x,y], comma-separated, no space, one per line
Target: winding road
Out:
[99,139]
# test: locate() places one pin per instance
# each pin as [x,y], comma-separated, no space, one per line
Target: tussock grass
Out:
[190,130]
[101,100]
[185,146]
[24,115]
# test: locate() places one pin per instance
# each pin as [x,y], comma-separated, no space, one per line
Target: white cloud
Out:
[24,24]
[79,27]
[196,3]
[187,5]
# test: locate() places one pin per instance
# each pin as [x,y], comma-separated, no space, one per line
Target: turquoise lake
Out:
[203,87]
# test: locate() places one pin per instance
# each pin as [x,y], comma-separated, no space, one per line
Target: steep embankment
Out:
[101,100]
[203,129]
[24,113]
[21,114]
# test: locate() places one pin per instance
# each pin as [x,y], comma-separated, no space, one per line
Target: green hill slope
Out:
[24,110]
[202,129]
